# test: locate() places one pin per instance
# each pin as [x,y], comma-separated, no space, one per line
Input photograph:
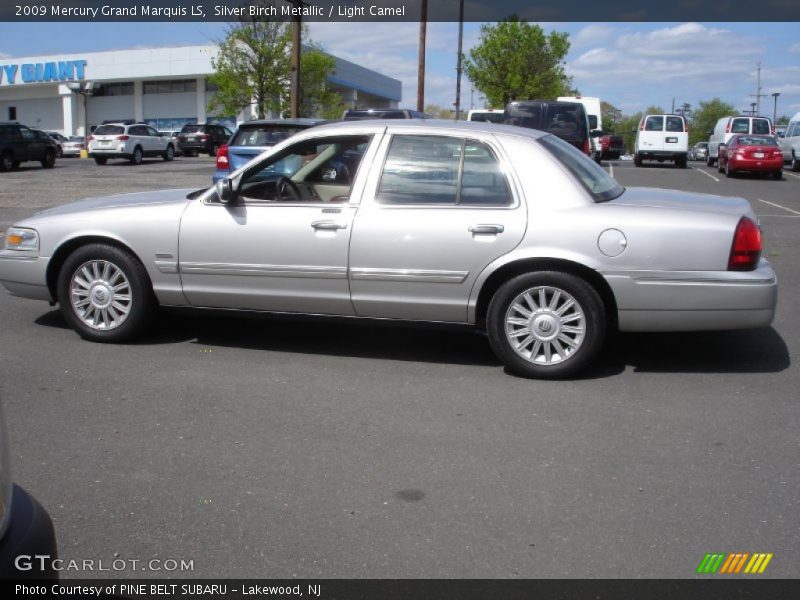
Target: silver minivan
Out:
[727,127]
[790,143]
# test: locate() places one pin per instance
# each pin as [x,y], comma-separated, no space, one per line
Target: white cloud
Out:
[795,48]
[596,33]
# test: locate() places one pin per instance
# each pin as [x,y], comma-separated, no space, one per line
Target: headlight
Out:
[18,238]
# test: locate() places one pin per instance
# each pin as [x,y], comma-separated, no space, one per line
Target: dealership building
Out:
[165,87]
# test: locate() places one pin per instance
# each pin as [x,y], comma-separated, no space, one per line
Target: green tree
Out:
[439,112]
[515,60]
[705,117]
[611,116]
[254,67]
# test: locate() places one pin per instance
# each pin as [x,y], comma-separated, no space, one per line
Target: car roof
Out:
[308,122]
[434,125]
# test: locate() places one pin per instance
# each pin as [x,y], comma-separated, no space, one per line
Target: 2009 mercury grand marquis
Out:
[499,227]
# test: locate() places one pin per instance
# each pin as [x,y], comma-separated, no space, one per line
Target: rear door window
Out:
[740,125]
[674,124]
[761,126]
[654,124]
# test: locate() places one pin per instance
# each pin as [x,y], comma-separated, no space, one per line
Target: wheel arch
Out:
[69,246]
[528,265]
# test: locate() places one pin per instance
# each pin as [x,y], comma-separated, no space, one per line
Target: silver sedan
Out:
[501,228]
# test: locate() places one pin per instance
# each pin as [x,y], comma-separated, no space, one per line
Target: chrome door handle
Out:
[328,225]
[490,229]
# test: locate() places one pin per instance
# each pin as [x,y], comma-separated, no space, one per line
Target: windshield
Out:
[600,185]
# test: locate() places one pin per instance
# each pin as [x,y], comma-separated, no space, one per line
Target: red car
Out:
[751,153]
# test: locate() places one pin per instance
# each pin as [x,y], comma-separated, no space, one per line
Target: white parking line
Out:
[792,175]
[611,169]
[704,173]
[794,212]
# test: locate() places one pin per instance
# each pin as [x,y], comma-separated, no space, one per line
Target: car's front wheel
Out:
[49,160]
[794,165]
[547,324]
[105,294]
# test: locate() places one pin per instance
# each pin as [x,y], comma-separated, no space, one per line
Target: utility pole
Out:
[458,59]
[423,22]
[775,108]
[758,95]
[294,89]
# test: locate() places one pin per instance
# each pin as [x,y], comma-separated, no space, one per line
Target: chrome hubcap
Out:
[101,295]
[545,325]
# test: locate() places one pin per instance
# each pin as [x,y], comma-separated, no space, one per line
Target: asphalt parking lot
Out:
[265,448]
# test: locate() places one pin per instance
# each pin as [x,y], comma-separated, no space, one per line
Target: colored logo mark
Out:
[733,563]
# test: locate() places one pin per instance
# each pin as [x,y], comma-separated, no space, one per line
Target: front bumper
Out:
[695,301]
[30,534]
[24,275]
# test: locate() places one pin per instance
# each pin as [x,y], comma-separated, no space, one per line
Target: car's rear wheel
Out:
[681,162]
[720,167]
[169,153]
[728,171]
[49,160]
[7,162]
[101,161]
[778,174]
[709,161]
[794,165]
[59,152]
[547,324]
[105,294]
[637,160]
[136,157]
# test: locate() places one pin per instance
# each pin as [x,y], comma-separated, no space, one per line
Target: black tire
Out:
[141,303]
[709,161]
[59,152]
[681,162]
[728,171]
[637,160]
[213,150]
[49,160]
[7,162]
[720,168]
[794,165]
[169,153]
[778,175]
[100,161]
[587,313]
[136,157]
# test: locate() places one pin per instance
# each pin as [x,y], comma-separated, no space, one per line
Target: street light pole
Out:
[775,108]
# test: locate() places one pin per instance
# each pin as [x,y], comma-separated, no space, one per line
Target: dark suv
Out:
[202,137]
[19,144]
[566,120]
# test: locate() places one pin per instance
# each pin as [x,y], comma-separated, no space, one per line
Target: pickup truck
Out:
[611,146]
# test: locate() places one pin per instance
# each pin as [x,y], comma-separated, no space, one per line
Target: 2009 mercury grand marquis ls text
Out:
[502,228]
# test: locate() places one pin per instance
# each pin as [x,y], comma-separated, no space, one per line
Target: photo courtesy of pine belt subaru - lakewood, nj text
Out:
[506,229]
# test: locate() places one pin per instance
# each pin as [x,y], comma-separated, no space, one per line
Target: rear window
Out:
[761,126]
[357,115]
[752,140]
[674,124]
[192,128]
[109,130]
[265,135]
[594,179]
[487,117]
[566,120]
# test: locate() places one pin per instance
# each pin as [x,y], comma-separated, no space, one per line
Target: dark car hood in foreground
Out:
[676,199]
[159,197]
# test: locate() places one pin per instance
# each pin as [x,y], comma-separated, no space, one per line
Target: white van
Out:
[790,143]
[662,137]
[727,127]
[487,115]
[594,113]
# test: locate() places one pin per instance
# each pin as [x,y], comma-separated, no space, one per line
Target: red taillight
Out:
[586,149]
[777,154]
[123,138]
[222,158]
[746,248]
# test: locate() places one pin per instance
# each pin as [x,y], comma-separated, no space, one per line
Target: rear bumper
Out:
[662,154]
[695,301]
[194,147]
[756,164]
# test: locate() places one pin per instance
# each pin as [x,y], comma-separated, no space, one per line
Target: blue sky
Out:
[631,65]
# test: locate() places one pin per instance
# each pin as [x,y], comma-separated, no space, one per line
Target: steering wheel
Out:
[286,186]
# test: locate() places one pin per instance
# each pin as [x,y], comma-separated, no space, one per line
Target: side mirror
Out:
[226,191]
[596,133]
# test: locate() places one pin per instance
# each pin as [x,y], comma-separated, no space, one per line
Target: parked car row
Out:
[19,144]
